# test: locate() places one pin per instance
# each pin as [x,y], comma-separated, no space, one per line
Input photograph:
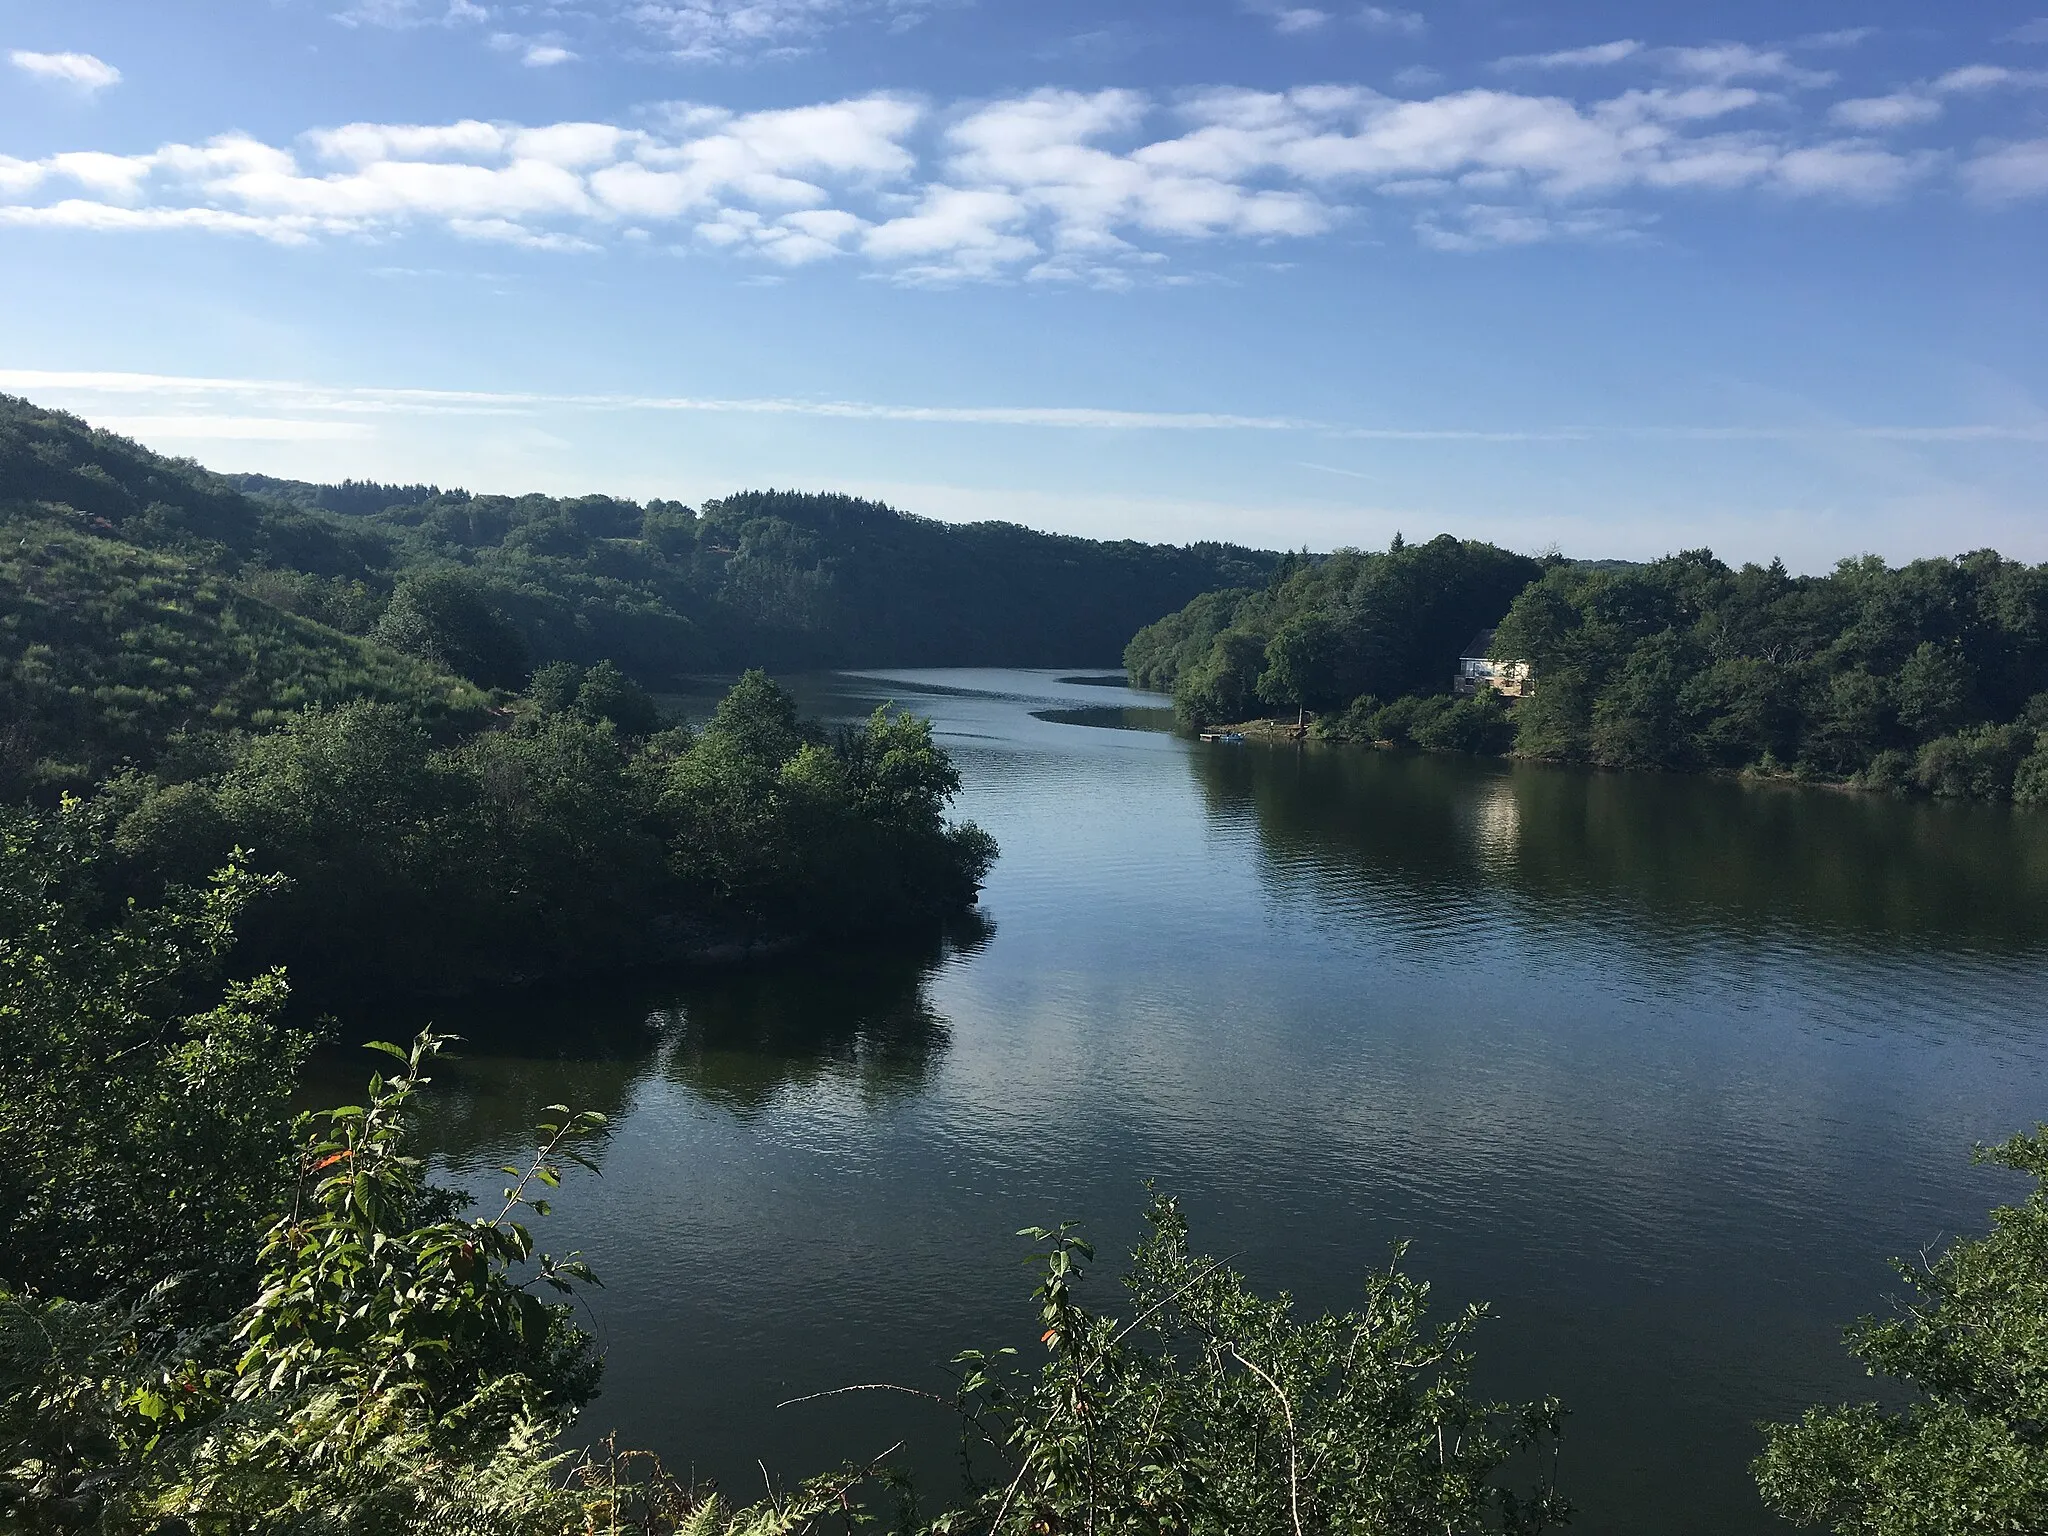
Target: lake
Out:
[1663,1068]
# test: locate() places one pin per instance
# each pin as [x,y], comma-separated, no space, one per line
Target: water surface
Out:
[1663,1068]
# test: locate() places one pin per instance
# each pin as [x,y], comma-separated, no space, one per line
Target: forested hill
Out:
[761,578]
[402,724]
[1929,677]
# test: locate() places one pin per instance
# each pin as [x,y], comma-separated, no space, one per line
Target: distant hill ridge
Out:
[142,595]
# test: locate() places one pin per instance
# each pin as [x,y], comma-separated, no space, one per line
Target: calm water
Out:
[1663,1068]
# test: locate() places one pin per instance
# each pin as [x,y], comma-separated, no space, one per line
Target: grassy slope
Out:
[107,649]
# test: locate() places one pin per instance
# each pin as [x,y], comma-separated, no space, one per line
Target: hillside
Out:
[1924,678]
[763,577]
[110,651]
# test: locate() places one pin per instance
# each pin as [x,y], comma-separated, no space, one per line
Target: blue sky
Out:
[1615,278]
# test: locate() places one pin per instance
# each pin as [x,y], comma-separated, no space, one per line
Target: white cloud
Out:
[573,145]
[365,143]
[1842,37]
[1381,18]
[18,176]
[1854,170]
[722,30]
[1900,109]
[405,14]
[543,55]
[1109,187]
[2009,172]
[172,405]
[1479,226]
[76,213]
[1574,58]
[119,177]
[79,69]
[1972,78]
[506,232]
[956,233]
[1738,61]
[1298,19]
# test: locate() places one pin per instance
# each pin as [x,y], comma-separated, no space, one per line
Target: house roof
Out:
[1477,647]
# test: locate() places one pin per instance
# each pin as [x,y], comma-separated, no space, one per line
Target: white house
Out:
[1479,672]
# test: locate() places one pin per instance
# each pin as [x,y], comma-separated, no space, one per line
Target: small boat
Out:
[1227,738]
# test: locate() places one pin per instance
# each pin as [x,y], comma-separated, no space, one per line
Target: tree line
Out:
[775,578]
[1927,678]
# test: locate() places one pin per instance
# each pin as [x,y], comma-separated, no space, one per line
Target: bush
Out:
[143,1123]
[1482,724]
[443,616]
[1977,764]
[1891,770]
[2030,780]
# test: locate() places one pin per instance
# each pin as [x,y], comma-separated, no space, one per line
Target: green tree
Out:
[1967,1456]
[443,616]
[1935,691]
[1224,685]
[1302,665]
[553,686]
[606,693]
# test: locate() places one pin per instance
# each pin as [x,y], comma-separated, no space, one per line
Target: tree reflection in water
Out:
[858,1016]
[739,1038]
[1422,840]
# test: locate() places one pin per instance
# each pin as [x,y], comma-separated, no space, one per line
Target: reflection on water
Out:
[1689,856]
[745,1041]
[1664,1068]
[1111,717]
[742,1039]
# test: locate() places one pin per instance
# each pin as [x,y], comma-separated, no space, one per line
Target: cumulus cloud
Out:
[1593,55]
[2009,172]
[1381,18]
[1106,187]
[1854,170]
[82,70]
[542,55]
[1738,61]
[1289,20]
[1922,103]
[1972,78]
[1482,227]
[1872,114]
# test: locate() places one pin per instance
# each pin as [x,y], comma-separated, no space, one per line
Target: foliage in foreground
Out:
[145,1127]
[1969,1455]
[1216,1412]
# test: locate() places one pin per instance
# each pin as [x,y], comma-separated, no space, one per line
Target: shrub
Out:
[1481,724]
[1966,1456]
[1980,763]
[1218,1412]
